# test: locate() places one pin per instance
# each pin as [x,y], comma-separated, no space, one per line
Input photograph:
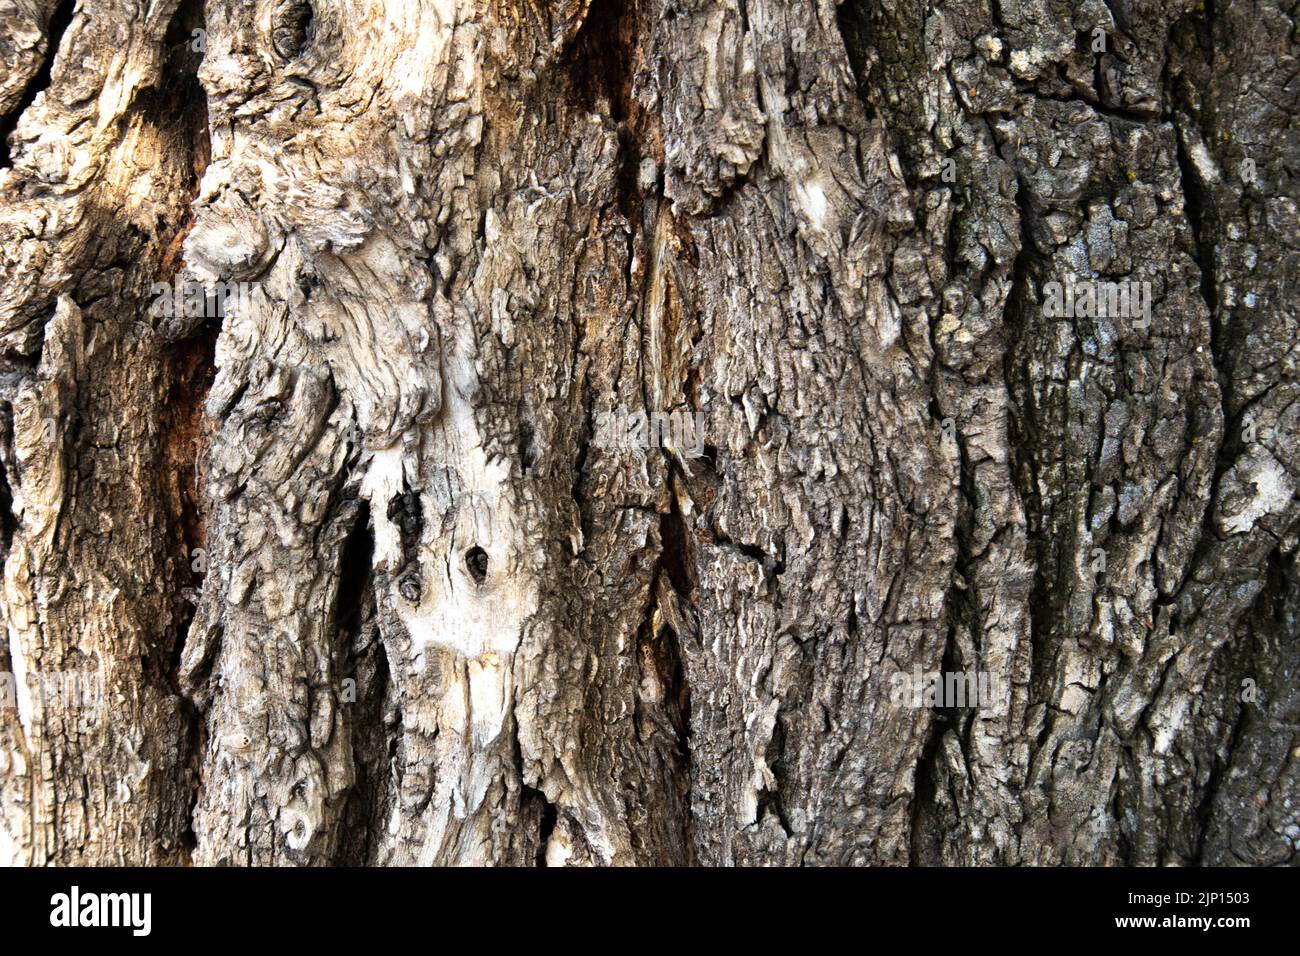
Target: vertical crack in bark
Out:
[924,837]
[1197,31]
[1180,112]
[535,810]
[670,613]
[186,436]
[1023,439]
[8,521]
[178,107]
[365,698]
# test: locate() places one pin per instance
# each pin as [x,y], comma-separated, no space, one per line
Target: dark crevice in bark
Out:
[535,810]
[355,576]
[773,566]
[923,848]
[28,355]
[963,604]
[772,800]
[599,57]
[675,558]
[177,101]
[196,737]
[679,566]
[602,61]
[186,432]
[186,436]
[1023,439]
[855,31]
[189,369]
[659,649]
[583,441]
[8,522]
[547,827]
[178,106]
[546,812]
[1198,204]
[666,652]
[1121,114]
[525,448]
[1193,36]
[664,648]
[58,25]
[795,712]
[884,46]
[363,694]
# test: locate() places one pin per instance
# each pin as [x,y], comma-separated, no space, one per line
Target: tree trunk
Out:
[382,564]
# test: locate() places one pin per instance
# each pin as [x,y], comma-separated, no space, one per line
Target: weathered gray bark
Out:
[361,581]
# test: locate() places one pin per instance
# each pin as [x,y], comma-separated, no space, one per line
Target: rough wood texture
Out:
[364,582]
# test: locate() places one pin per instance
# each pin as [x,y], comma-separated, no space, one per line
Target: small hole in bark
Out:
[410,587]
[291,30]
[476,560]
[526,455]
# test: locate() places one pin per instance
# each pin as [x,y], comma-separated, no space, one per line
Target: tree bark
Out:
[350,573]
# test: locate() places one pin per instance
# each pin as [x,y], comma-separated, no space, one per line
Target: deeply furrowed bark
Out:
[363,583]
